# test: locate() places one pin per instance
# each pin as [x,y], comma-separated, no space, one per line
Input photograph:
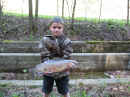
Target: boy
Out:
[55,46]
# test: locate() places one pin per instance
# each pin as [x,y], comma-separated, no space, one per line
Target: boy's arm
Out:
[45,54]
[66,47]
[67,51]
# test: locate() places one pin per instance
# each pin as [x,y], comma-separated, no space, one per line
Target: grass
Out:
[1,94]
[118,27]
[73,75]
[26,15]
[7,41]
[87,75]
[95,20]
[102,90]
[77,90]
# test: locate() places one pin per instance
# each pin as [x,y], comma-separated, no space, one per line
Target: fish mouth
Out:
[75,62]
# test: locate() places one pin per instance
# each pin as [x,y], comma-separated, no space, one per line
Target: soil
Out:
[73,75]
[109,90]
[17,28]
[80,90]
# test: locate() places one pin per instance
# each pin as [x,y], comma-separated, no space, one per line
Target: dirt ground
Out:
[80,90]
[17,28]
[73,75]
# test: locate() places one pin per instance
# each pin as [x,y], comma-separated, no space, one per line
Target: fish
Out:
[54,66]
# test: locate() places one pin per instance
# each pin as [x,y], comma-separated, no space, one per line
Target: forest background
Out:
[85,20]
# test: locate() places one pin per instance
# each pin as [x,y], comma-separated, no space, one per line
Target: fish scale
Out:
[55,65]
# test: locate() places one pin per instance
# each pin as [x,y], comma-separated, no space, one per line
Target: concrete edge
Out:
[71,82]
[73,54]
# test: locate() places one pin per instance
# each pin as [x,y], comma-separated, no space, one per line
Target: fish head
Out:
[75,62]
[40,68]
[72,63]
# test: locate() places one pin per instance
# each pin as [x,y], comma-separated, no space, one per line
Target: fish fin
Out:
[40,73]
[73,67]
[32,72]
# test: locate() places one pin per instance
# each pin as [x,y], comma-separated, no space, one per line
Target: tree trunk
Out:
[22,6]
[72,21]
[72,6]
[86,9]
[100,10]
[36,16]
[57,7]
[30,16]
[127,20]
[68,10]
[1,12]
[62,9]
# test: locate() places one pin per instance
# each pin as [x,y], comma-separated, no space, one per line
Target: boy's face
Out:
[56,29]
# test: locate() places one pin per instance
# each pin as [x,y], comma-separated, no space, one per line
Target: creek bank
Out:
[73,75]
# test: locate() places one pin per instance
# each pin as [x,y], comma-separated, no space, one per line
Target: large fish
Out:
[54,66]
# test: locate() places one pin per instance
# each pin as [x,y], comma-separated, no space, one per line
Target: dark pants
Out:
[62,84]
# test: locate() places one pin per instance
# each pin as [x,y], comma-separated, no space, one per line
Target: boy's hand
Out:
[47,72]
[67,69]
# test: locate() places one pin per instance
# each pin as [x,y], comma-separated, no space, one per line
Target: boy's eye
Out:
[57,27]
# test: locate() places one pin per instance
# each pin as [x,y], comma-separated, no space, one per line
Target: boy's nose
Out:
[56,29]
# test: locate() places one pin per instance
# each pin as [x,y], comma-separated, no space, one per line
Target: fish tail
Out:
[32,72]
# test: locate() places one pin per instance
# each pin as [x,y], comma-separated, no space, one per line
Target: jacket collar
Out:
[52,37]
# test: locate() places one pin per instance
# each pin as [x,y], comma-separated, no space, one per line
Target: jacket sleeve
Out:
[44,52]
[67,51]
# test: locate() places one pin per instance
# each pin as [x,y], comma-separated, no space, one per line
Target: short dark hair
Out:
[56,19]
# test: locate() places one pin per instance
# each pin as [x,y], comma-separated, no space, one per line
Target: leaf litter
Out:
[79,90]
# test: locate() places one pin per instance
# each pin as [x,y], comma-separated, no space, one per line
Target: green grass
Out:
[6,84]
[108,41]
[87,75]
[95,20]
[77,91]
[26,15]
[7,41]
[1,94]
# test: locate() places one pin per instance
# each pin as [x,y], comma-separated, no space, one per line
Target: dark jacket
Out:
[52,48]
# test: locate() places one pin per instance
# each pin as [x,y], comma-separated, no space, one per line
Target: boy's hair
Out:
[58,20]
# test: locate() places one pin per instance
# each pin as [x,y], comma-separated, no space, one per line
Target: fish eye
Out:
[45,69]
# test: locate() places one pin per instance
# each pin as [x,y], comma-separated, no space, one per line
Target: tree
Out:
[68,9]
[72,21]
[62,9]
[1,12]
[57,7]
[36,16]
[100,10]
[30,16]
[86,8]
[22,6]
[127,20]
